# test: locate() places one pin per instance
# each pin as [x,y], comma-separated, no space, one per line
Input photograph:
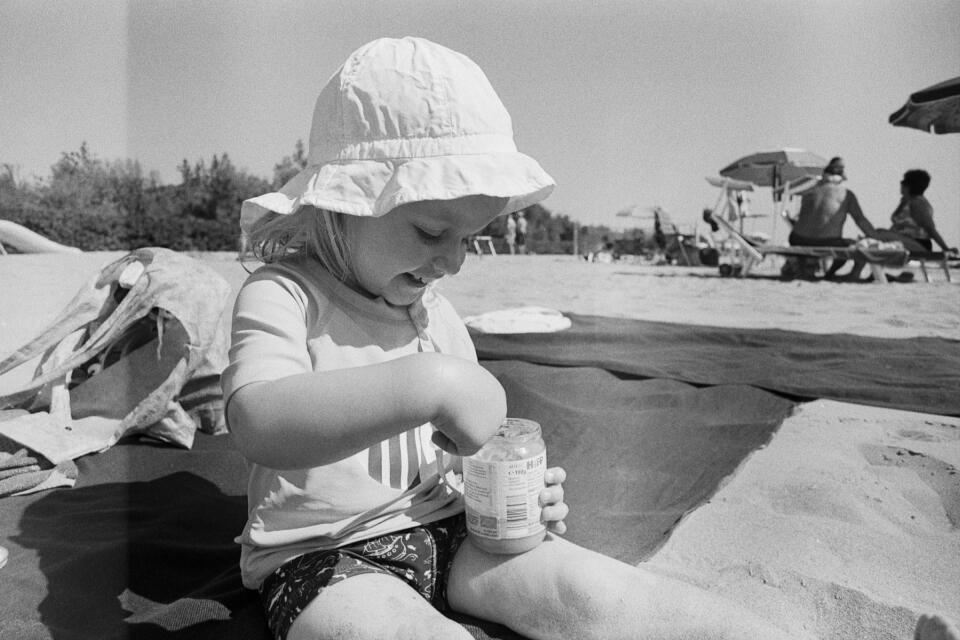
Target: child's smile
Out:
[397,256]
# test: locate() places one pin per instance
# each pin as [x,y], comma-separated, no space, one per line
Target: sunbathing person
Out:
[912,221]
[823,212]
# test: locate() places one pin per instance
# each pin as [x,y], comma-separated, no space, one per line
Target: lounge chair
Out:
[747,253]
[877,258]
[918,261]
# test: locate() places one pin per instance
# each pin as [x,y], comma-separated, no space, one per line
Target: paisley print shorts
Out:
[420,556]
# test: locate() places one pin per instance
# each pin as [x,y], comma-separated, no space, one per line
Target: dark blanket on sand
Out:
[143,546]
[915,374]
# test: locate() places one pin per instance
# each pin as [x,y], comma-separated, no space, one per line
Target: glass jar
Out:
[502,484]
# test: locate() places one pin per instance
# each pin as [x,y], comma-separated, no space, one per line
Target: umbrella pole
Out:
[776,203]
[683,251]
[723,199]
[776,214]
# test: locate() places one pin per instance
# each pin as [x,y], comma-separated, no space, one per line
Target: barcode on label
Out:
[517,512]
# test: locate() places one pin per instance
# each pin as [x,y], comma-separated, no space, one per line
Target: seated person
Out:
[823,212]
[912,220]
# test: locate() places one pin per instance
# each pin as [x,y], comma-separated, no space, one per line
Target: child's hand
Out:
[472,405]
[554,509]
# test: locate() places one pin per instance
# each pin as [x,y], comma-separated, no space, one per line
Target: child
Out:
[353,387]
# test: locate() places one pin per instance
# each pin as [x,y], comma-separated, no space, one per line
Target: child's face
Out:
[397,255]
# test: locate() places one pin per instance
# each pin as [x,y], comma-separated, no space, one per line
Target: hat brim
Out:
[374,187]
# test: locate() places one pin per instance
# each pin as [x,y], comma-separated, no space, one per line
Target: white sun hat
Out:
[405,120]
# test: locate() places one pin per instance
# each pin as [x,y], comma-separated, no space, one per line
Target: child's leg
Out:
[561,590]
[373,606]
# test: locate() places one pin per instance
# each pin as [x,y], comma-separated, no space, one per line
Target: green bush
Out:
[91,232]
[96,205]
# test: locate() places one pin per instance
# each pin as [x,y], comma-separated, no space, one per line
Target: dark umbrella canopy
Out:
[775,168]
[935,109]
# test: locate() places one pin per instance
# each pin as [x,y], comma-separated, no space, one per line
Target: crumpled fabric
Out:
[141,356]
[887,253]
[23,472]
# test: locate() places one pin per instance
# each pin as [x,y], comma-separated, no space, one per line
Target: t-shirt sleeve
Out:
[269,332]
[447,328]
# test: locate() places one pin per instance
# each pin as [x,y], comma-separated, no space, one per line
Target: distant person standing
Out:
[522,233]
[658,235]
[511,235]
[823,212]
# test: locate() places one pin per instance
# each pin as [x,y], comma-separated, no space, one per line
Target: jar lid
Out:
[518,430]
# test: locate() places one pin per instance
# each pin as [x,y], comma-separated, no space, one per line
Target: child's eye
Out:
[428,235]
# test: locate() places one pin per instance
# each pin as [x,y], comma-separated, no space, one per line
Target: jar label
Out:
[502,497]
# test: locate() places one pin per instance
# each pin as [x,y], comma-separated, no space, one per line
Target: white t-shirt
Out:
[293,318]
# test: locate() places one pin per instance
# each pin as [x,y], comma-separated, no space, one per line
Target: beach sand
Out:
[847,524]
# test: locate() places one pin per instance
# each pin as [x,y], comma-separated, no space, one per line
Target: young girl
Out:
[353,387]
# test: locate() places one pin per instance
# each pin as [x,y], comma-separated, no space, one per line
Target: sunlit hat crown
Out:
[405,120]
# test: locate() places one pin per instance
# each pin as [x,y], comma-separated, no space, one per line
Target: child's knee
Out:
[397,627]
[433,629]
[373,605]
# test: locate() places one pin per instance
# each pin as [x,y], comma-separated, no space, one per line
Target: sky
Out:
[625,104]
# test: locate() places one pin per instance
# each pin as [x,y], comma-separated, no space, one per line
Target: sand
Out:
[846,525]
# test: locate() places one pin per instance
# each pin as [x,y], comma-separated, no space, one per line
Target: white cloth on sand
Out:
[519,320]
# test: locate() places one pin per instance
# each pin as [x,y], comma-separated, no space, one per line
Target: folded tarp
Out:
[915,374]
[142,546]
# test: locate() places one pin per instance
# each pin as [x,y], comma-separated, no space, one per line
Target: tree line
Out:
[99,205]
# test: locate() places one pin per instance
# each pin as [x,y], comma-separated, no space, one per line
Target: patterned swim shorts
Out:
[420,556]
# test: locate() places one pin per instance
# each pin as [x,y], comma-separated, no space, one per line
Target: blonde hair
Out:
[308,232]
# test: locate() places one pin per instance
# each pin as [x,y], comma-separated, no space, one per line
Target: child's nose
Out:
[451,258]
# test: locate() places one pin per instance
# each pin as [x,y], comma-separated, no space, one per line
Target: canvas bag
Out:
[139,350]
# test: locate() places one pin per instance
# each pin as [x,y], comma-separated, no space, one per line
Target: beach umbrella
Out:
[776,169]
[935,109]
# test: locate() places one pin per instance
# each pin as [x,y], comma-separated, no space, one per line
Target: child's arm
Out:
[312,419]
